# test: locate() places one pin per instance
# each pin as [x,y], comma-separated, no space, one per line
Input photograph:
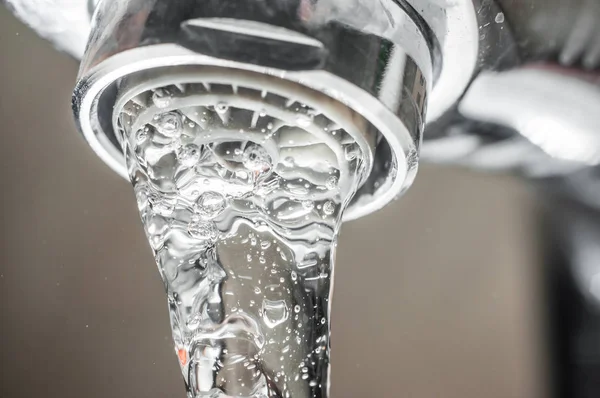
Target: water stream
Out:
[242,210]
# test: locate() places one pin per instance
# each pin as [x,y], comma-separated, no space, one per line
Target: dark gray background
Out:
[436,296]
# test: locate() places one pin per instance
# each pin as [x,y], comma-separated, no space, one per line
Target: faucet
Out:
[496,85]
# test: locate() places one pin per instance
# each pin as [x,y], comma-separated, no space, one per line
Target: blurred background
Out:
[439,295]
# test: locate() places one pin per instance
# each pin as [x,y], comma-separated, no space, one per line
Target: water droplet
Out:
[294,275]
[249,257]
[308,204]
[221,107]
[265,244]
[188,155]
[332,182]
[142,135]
[169,124]
[297,309]
[257,290]
[329,208]
[351,152]
[256,158]
[275,312]
[323,320]
[262,260]
[163,206]
[142,198]
[161,98]
[205,230]
[209,205]
[499,17]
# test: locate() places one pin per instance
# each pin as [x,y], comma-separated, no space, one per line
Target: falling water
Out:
[242,211]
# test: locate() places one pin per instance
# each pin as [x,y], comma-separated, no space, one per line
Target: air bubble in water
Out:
[188,155]
[141,196]
[256,158]
[205,230]
[350,152]
[265,244]
[332,182]
[275,312]
[308,204]
[221,107]
[209,205]
[142,135]
[163,206]
[328,208]
[161,98]
[169,124]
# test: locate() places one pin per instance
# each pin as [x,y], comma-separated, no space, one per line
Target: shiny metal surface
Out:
[522,49]
[381,66]
[557,113]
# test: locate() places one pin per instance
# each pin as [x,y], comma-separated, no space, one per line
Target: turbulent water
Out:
[242,211]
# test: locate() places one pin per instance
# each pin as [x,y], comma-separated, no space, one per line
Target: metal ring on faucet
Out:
[379,66]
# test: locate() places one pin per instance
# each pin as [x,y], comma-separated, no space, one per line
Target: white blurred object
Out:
[65,23]
[557,112]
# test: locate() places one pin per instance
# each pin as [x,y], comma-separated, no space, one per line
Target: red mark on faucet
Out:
[182,355]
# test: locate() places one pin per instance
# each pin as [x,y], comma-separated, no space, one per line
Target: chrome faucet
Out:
[497,85]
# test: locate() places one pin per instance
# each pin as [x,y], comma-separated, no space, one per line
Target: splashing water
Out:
[242,211]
